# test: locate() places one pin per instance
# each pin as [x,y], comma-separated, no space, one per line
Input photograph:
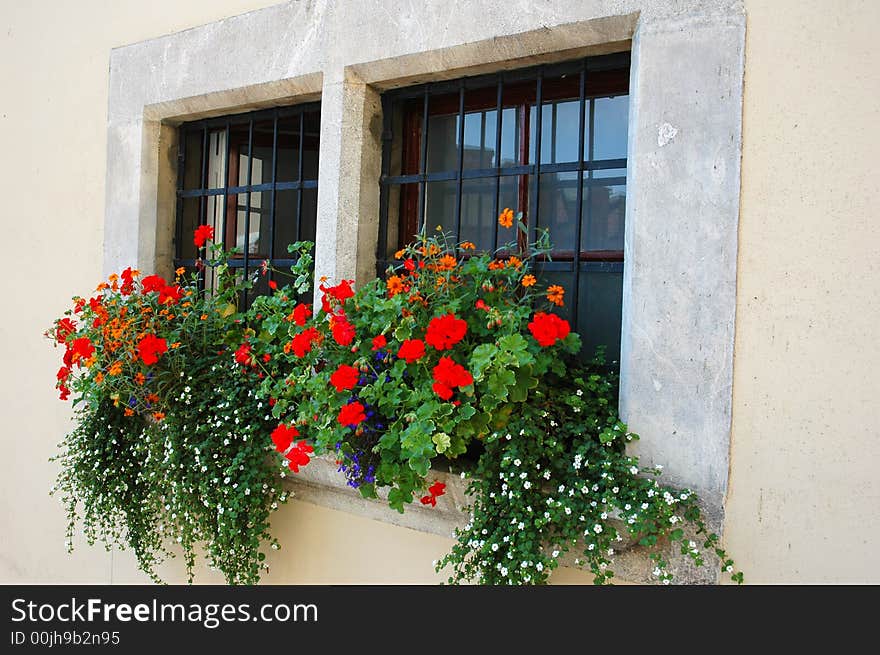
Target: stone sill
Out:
[319,483]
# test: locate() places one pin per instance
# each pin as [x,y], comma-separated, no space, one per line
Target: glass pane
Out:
[216,159]
[238,154]
[261,170]
[311,144]
[479,139]
[440,206]
[510,136]
[260,225]
[478,212]
[558,211]
[190,220]
[442,143]
[507,198]
[559,132]
[288,149]
[285,222]
[611,117]
[610,172]
[309,215]
[192,171]
[604,212]
[402,224]
[599,310]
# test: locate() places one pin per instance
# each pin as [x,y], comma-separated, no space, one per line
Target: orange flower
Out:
[128,411]
[528,281]
[158,415]
[433,249]
[176,344]
[446,263]
[514,262]
[555,294]
[180,271]
[204,317]
[467,245]
[152,398]
[113,277]
[394,285]
[115,368]
[496,264]
[505,219]
[139,378]
[102,286]
[399,254]
[99,377]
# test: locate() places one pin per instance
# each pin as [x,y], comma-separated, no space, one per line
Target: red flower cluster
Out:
[302,342]
[127,276]
[202,234]
[344,377]
[343,331]
[298,455]
[341,292]
[282,436]
[547,328]
[379,342]
[80,350]
[300,314]
[411,350]
[244,356]
[150,347]
[434,491]
[168,294]
[64,329]
[445,331]
[448,375]
[153,283]
[351,414]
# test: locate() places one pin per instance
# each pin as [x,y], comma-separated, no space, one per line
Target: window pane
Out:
[508,198]
[599,310]
[611,117]
[440,206]
[478,213]
[558,211]
[566,281]
[285,221]
[604,212]
[288,149]
[192,173]
[260,225]
[442,143]
[559,132]
[479,139]
[311,142]
[216,159]
[261,170]
[190,220]
[309,215]
[510,136]
[238,154]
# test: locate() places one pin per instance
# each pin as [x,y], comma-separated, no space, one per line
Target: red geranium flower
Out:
[411,350]
[344,377]
[127,281]
[302,342]
[65,392]
[547,328]
[170,295]
[202,234]
[63,373]
[445,331]
[434,491]
[341,292]
[282,436]
[64,329]
[343,331]
[480,304]
[152,283]
[243,355]
[301,314]
[273,285]
[81,349]
[150,347]
[448,375]
[298,455]
[379,342]
[351,414]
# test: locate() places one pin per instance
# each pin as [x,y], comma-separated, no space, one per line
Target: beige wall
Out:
[803,497]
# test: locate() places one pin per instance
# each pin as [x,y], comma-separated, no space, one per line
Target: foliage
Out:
[170,443]
[558,479]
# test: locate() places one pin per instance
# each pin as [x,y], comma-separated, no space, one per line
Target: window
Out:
[549,141]
[254,178]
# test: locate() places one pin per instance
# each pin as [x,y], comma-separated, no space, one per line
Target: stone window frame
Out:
[685,135]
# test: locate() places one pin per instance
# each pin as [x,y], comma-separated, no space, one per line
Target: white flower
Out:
[656,572]
[603,516]
[527,485]
[555,554]
[504,570]
[494,547]
[517,462]
[539,566]
[579,392]
[568,510]
[597,528]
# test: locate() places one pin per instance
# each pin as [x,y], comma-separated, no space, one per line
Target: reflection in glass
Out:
[599,309]
[287,169]
[558,210]
[442,143]
[604,212]
[285,221]
[192,173]
[611,116]
[440,206]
